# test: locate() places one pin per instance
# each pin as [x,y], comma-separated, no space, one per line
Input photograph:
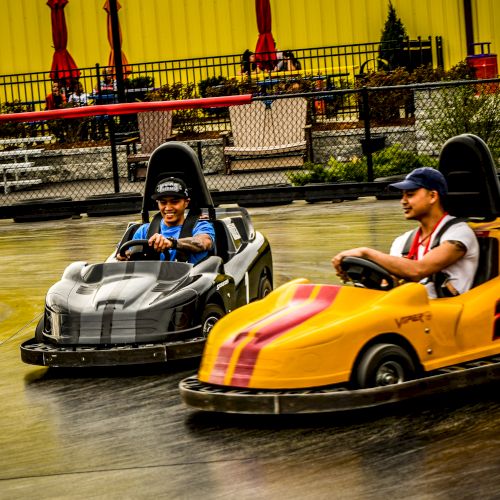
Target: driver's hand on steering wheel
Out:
[157,242]
[160,243]
[337,260]
[122,257]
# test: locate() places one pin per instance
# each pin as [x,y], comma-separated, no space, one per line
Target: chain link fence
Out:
[276,141]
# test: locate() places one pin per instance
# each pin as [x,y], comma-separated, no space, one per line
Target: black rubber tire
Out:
[44,209]
[265,287]
[211,314]
[39,331]
[384,364]
[102,205]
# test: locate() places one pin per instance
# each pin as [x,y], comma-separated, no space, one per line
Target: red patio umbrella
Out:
[265,51]
[63,65]
[111,60]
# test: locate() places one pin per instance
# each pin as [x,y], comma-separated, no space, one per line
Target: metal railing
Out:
[337,65]
[271,145]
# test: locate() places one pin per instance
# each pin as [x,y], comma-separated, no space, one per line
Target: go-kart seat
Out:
[469,169]
[224,244]
[473,193]
[487,268]
[129,233]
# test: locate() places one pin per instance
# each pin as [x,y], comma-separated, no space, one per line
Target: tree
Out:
[392,38]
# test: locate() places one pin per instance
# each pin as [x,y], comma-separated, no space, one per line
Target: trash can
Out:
[485,64]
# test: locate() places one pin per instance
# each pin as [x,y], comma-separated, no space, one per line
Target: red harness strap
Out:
[413,253]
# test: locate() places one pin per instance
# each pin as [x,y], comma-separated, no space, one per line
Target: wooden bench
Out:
[267,135]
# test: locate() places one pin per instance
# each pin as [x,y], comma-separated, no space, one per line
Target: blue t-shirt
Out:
[201,227]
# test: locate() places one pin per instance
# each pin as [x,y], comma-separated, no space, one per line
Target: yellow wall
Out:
[173,29]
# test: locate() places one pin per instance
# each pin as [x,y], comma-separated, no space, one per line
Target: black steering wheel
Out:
[139,250]
[366,273]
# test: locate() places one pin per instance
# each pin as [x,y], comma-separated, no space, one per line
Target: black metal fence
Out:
[328,68]
[277,143]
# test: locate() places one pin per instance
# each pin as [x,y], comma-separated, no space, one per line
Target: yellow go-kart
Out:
[312,347]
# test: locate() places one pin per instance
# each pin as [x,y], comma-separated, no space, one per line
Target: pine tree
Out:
[392,38]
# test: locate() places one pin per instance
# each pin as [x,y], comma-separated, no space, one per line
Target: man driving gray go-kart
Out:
[167,238]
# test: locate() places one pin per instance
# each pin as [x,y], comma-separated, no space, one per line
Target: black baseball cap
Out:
[424,177]
[171,186]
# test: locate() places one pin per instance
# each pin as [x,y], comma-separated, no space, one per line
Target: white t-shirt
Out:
[78,100]
[461,273]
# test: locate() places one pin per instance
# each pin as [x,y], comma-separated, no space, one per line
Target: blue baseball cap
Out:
[424,177]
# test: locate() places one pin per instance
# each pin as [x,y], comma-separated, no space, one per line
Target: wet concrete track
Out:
[124,433]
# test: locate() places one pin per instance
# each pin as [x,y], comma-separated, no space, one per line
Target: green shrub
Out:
[392,35]
[13,129]
[186,121]
[385,106]
[392,160]
[139,82]
[473,109]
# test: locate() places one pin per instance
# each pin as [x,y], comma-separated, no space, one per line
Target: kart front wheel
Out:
[265,287]
[210,316]
[384,364]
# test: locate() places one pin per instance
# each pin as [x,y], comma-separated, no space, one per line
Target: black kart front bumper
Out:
[45,354]
[202,396]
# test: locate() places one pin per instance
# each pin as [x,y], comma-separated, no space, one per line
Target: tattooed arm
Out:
[437,259]
[192,244]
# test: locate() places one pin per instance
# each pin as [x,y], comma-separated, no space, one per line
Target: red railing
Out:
[127,108]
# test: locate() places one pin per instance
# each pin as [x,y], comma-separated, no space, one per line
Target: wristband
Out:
[173,241]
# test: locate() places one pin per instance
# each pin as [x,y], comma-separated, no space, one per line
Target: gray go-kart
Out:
[146,310]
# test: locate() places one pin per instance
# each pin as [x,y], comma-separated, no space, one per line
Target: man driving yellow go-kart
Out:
[442,253]
[319,347]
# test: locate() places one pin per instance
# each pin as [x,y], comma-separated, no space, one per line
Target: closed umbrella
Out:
[265,51]
[63,65]
[111,60]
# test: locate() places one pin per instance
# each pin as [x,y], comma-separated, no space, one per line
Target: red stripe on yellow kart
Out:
[229,352]
[308,301]
[323,298]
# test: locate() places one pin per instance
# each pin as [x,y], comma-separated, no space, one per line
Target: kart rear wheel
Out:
[210,316]
[265,287]
[384,364]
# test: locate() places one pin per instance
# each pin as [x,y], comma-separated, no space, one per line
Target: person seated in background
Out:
[78,127]
[56,99]
[248,64]
[288,62]
[78,97]
[451,264]
[108,83]
[172,197]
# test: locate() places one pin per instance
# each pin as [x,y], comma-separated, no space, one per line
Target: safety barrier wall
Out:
[261,144]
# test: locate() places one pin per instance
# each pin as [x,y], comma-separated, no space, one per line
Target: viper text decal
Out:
[420,317]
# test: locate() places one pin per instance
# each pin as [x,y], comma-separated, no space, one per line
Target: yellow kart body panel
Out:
[309,335]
